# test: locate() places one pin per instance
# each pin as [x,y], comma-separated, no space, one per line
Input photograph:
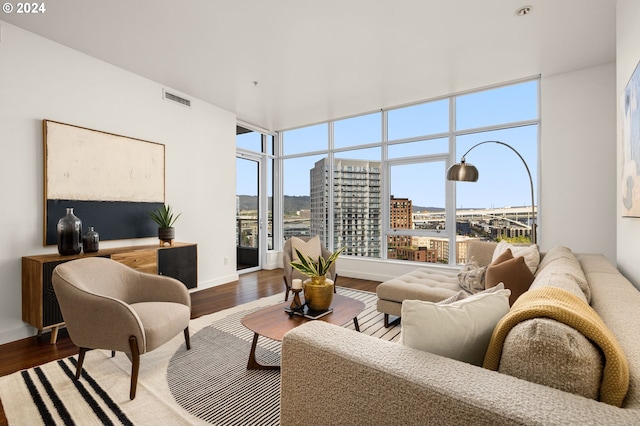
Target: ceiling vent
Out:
[175,98]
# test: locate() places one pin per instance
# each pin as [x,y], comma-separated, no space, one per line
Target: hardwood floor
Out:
[27,353]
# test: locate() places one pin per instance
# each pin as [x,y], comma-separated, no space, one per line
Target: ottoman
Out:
[428,284]
[421,284]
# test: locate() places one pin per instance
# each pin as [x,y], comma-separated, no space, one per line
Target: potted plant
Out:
[318,292]
[165,218]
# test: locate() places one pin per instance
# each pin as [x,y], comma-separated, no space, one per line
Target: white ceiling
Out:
[319,59]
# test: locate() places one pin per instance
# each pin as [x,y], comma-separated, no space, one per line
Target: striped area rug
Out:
[208,384]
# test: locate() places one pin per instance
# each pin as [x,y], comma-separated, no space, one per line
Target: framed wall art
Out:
[631,146]
[110,181]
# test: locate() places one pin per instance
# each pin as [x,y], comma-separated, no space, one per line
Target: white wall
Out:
[627,57]
[39,80]
[578,161]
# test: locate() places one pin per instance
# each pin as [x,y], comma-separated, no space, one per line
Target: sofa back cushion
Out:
[561,268]
[480,252]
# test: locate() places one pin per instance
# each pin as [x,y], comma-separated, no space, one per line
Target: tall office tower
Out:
[400,217]
[356,205]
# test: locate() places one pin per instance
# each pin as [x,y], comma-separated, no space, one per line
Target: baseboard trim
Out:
[218,281]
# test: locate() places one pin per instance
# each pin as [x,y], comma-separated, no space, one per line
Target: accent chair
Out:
[107,305]
[290,274]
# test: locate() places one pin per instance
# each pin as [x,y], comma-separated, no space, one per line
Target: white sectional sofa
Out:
[549,373]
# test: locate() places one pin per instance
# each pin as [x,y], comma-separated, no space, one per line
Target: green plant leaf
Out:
[309,267]
[164,216]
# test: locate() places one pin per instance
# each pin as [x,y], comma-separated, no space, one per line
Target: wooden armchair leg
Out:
[81,355]
[187,339]
[135,365]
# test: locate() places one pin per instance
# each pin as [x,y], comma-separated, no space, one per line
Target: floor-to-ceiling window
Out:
[498,205]
[376,184]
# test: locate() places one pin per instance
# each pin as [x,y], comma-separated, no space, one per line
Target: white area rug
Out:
[208,384]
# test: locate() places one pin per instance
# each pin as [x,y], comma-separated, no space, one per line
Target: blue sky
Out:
[503,178]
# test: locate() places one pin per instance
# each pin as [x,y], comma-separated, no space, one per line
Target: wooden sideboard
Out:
[39,304]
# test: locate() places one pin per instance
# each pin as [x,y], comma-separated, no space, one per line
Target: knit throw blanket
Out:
[564,307]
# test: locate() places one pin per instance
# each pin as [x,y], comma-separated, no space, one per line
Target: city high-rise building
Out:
[356,198]
[401,217]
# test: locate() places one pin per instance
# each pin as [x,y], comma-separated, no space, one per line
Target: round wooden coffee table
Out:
[274,322]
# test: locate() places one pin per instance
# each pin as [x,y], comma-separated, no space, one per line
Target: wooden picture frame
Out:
[111,181]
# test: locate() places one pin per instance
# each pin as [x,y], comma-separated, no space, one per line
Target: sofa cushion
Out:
[471,277]
[561,268]
[465,295]
[460,330]
[505,255]
[545,351]
[530,253]
[514,273]
[564,307]
[458,296]
[481,251]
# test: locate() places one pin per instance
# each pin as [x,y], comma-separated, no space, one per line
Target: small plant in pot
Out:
[318,293]
[165,218]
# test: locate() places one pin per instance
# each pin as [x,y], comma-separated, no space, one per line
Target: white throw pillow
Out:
[460,330]
[309,248]
[530,253]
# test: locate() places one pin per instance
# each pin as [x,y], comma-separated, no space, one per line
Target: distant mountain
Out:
[293,204]
[426,209]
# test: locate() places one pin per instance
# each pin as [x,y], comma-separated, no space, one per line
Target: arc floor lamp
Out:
[465,172]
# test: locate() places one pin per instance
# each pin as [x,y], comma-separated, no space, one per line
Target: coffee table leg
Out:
[253,364]
[355,323]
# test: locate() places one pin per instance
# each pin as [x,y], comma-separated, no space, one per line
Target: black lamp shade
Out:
[463,172]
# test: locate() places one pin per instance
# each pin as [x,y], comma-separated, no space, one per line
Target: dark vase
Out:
[90,241]
[166,236]
[69,232]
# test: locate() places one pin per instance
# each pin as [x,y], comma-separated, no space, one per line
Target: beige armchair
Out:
[107,305]
[290,273]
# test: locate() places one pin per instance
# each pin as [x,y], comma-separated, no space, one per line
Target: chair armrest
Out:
[159,288]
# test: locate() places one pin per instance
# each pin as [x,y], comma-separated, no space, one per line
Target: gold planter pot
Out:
[318,293]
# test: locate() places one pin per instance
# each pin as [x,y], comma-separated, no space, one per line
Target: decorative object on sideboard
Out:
[90,241]
[318,290]
[466,172]
[165,218]
[69,231]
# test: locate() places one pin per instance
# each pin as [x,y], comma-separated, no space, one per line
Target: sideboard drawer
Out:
[141,260]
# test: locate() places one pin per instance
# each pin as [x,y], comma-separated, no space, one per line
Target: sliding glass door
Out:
[248,221]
